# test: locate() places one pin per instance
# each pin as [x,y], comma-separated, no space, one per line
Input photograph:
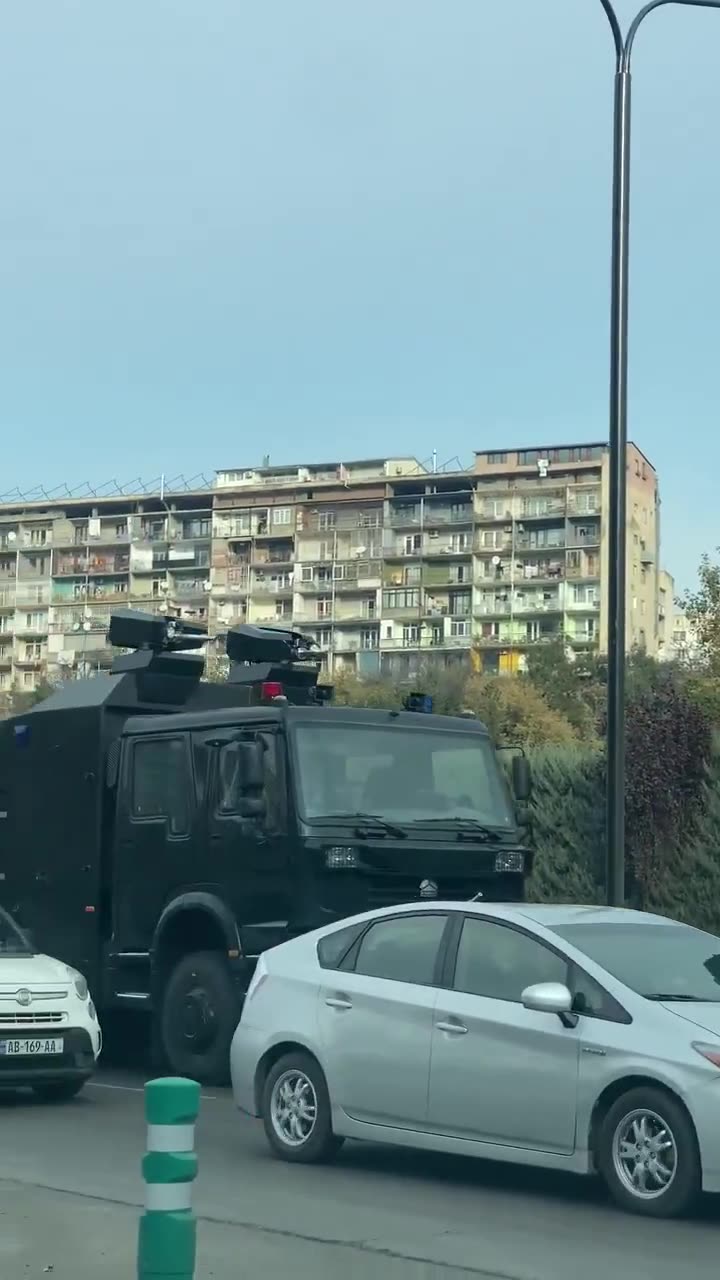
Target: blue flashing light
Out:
[419,702]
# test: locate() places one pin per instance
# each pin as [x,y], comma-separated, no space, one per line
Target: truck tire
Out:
[199,1011]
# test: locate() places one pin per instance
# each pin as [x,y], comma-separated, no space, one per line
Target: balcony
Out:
[194,589]
[31,597]
[327,523]
[30,627]
[29,663]
[266,556]
[538,604]
[426,640]
[430,517]
[518,638]
[492,609]
[542,508]
[500,512]
[585,537]
[7,597]
[583,606]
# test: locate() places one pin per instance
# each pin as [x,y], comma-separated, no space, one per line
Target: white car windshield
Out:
[661,961]
[12,941]
[400,774]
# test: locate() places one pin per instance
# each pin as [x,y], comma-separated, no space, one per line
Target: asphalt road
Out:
[375,1208]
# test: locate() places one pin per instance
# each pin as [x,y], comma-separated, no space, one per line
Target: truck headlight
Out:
[512,860]
[341,858]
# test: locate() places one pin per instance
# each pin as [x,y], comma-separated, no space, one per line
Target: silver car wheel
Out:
[293,1107]
[644,1153]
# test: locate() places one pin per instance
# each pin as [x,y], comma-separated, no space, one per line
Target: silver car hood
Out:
[706,1016]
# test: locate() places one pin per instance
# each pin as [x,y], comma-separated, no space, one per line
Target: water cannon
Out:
[249,644]
[421,702]
[276,665]
[158,643]
[132,629]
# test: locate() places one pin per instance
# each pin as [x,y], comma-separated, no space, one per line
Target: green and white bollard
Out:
[166,1244]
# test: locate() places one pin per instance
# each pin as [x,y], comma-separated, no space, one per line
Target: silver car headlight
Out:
[80,983]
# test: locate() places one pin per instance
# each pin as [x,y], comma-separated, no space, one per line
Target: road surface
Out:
[71,1187]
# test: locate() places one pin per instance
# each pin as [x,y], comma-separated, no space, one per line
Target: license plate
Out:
[38,1048]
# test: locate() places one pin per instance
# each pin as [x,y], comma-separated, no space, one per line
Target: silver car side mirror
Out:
[547,997]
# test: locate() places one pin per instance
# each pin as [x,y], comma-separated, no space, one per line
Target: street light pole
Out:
[617,547]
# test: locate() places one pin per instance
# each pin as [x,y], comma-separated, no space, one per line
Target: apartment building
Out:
[383,561]
[542,556]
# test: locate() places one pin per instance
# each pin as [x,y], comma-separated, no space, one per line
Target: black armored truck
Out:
[159,831]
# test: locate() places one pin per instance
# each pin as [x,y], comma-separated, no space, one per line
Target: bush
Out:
[568,826]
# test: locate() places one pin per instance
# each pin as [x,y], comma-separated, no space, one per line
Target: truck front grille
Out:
[390,891]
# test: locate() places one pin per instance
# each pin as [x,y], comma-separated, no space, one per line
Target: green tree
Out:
[702,610]
[571,686]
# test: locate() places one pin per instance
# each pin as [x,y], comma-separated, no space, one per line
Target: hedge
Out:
[568,817]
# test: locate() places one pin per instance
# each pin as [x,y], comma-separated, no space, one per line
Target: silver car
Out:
[578,1038]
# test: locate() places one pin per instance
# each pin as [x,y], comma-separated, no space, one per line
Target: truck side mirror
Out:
[252,807]
[521,778]
[252,766]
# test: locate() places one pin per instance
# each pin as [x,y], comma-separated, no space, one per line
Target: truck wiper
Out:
[464,824]
[372,819]
[674,995]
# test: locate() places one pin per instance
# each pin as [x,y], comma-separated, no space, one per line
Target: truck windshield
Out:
[12,942]
[399,773]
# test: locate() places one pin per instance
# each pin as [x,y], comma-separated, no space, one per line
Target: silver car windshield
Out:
[660,961]
[399,773]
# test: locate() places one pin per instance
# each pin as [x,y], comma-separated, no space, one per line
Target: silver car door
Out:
[375,1022]
[501,1073]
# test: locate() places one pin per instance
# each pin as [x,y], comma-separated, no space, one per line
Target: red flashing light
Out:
[271,689]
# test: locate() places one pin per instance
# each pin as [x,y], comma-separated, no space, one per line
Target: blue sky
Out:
[323,229]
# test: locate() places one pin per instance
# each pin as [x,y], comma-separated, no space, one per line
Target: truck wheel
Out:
[199,1012]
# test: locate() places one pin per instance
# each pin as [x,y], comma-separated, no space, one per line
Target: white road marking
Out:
[129,1088]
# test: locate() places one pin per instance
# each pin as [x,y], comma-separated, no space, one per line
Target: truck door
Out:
[249,858]
[158,828]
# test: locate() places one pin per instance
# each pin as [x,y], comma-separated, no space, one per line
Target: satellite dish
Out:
[12,536]
[496,560]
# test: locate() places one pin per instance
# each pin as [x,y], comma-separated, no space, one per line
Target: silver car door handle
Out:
[455,1028]
[336,1003]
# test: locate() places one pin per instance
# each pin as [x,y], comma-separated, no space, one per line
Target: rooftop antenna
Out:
[434,461]
[162,487]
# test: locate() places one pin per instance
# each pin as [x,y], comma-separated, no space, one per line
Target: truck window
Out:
[162,783]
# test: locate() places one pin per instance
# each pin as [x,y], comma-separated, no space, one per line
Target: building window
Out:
[281,515]
[368,638]
[496,459]
[528,456]
[283,608]
[460,542]
[324,607]
[326,520]
[368,519]
[401,599]
[307,573]
[412,544]
[39,537]
[411,634]
[459,628]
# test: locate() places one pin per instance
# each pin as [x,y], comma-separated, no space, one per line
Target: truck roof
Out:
[229,716]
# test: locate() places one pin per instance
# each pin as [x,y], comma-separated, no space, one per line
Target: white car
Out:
[566,1037]
[50,1038]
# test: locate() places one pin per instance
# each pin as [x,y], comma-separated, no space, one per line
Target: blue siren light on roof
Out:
[418,702]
